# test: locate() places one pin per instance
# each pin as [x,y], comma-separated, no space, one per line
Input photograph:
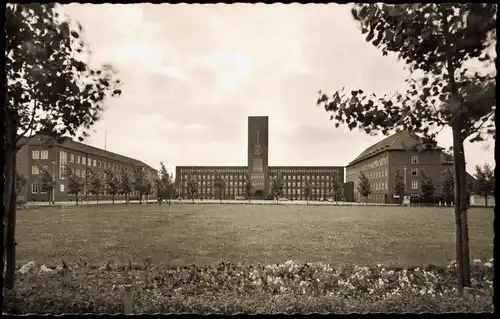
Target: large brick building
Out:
[42,151]
[398,152]
[260,172]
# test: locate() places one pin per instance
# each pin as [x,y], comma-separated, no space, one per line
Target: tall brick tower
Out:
[258,143]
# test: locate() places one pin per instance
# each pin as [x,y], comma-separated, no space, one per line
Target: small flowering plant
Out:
[350,288]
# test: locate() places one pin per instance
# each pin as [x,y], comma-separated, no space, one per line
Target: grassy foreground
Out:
[229,289]
[209,234]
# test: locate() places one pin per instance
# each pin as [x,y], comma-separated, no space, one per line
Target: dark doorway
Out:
[258,193]
[385,197]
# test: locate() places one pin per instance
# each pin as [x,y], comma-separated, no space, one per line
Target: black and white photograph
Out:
[248,158]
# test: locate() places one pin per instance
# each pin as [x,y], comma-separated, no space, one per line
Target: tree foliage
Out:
[437,40]
[125,186]
[364,186]
[165,184]
[52,87]
[484,184]
[21,181]
[75,183]
[336,184]
[277,185]
[192,186]
[399,187]
[307,189]
[96,185]
[219,185]
[112,183]
[249,187]
[448,185]
[427,187]
[139,182]
[47,182]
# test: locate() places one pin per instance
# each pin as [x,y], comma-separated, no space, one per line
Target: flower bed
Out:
[229,288]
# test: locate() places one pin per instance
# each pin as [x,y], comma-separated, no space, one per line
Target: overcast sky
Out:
[194,73]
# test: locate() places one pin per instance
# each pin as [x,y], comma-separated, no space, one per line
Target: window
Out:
[61,188]
[35,170]
[71,158]
[63,161]
[84,160]
[414,184]
[414,159]
[414,172]
[77,171]
[35,154]
[35,188]
[95,163]
[77,159]
[98,163]
[44,154]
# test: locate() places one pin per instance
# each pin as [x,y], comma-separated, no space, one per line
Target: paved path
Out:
[213,201]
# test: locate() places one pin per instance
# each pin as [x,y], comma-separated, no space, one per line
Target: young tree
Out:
[219,185]
[192,186]
[399,187]
[249,187]
[87,183]
[147,189]
[165,184]
[96,186]
[139,182]
[438,40]
[336,183]
[448,185]
[484,184]
[427,187]
[307,190]
[125,186]
[51,89]
[277,187]
[112,184]
[364,186]
[47,183]
[75,183]
[21,181]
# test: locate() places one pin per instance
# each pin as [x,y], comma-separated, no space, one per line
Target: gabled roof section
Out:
[400,141]
[67,142]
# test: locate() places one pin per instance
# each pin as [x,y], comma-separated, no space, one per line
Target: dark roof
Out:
[399,141]
[68,143]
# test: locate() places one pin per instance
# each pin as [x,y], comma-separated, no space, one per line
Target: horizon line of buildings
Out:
[379,162]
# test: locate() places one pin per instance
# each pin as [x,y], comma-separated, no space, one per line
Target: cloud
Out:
[194,73]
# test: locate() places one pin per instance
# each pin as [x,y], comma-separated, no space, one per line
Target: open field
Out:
[206,234]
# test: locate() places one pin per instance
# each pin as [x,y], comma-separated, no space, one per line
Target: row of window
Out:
[44,154]
[375,163]
[36,188]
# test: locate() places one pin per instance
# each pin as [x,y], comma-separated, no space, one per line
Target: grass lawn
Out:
[205,234]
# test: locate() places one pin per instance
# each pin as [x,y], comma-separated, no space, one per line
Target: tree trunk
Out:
[113,198]
[76,199]
[461,204]
[486,201]
[10,242]
[97,198]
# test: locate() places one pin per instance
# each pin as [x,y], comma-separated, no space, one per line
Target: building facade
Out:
[42,152]
[261,174]
[397,153]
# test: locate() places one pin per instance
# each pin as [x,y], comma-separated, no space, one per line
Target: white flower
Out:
[391,272]
[417,269]
[491,260]
[477,261]
[380,282]
[488,264]
[379,265]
